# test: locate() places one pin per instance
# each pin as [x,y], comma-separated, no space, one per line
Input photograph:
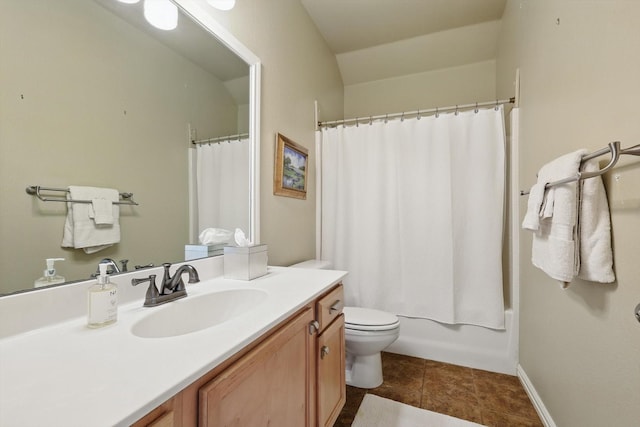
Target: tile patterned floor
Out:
[495,400]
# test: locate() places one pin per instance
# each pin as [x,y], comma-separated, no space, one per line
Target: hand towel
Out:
[555,243]
[101,211]
[536,197]
[596,254]
[81,230]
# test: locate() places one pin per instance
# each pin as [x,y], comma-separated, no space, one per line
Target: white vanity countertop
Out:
[69,375]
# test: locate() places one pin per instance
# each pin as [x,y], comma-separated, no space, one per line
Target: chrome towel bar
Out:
[35,190]
[613,148]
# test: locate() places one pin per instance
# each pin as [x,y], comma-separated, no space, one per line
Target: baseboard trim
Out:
[544,415]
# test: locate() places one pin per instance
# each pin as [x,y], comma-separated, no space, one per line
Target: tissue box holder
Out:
[202,251]
[245,263]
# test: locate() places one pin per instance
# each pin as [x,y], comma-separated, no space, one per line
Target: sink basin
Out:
[192,314]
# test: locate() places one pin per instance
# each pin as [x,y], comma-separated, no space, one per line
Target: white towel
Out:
[81,231]
[596,255]
[101,211]
[534,206]
[555,243]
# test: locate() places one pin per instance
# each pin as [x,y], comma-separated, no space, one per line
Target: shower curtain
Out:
[413,209]
[222,185]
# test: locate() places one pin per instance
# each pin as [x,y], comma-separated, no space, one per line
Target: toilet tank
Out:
[318,264]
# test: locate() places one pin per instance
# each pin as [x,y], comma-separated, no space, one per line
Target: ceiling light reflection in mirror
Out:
[222,4]
[162,14]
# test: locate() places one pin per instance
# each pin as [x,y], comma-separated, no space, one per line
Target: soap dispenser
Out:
[50,277]
[102,301]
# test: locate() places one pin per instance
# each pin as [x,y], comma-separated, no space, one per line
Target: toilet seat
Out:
[367,319]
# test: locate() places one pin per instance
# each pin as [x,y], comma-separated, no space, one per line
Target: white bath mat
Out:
[375,411]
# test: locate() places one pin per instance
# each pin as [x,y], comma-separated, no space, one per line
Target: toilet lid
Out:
[367,319]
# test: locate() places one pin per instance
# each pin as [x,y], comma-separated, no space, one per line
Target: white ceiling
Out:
[377,39]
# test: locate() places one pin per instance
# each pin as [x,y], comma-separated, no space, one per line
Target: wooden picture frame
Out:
[290,171]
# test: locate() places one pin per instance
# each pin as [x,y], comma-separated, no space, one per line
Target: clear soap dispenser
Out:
[49,275]
[102,301]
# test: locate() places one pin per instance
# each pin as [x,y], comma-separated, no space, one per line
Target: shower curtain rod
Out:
[219,139]
[419,113]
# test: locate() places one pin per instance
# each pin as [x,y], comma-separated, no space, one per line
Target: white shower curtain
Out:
[222,185]
[413,209]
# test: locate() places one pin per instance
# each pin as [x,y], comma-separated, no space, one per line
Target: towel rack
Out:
[35,190]
[613,148]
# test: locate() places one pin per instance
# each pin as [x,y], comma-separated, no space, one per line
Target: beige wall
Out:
[88,100]
[297,68]
[443,87]
[579,67]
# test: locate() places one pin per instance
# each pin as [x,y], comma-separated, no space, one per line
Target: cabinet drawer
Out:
[329,307]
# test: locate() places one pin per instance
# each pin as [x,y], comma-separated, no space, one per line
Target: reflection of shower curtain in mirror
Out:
[222,185]
[413,209]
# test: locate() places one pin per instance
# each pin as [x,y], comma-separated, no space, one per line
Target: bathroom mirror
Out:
[92,95]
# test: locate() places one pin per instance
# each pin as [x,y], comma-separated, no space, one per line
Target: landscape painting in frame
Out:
[290,173]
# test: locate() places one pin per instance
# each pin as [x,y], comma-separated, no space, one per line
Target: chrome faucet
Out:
[172,287]
[112,266]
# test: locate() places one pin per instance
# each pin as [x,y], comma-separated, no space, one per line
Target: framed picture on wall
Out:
[290,172]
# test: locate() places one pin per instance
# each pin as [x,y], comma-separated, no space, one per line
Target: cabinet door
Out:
[331,381]
[269,386]
[166,415]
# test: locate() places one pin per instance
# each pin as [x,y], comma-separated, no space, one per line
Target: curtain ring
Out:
[456,110]
[437,113]
[357,124]
[386,117]
[418,114]
[496,107]
[476,110]
[402,117]
[370,120]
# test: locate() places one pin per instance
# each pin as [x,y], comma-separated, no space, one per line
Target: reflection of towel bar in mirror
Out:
[35,190]
[613,148]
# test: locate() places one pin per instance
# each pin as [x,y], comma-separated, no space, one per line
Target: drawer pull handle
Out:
[336,306]
[313,326]
[324,351]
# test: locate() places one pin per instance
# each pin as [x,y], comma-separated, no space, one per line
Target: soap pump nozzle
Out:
[103,278]
[51,270]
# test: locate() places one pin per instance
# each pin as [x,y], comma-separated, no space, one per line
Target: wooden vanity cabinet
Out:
[293,376]
[269,386]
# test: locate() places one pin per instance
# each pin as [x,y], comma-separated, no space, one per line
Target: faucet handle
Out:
[152,292]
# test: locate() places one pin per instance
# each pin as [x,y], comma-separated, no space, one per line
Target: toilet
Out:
[367,333]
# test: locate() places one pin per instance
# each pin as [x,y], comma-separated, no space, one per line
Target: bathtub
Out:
[466,345]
